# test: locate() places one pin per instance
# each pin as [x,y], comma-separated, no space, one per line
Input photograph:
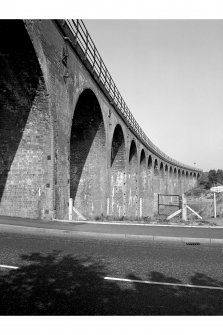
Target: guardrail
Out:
[91,54]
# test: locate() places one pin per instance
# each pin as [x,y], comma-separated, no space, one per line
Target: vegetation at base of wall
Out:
[211,178]
[200,198]
[111,218]
[205,182]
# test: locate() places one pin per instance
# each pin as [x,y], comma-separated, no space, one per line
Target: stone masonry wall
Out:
[41,83]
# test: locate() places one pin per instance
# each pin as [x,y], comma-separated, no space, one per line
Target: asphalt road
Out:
[208,233]
[66,276]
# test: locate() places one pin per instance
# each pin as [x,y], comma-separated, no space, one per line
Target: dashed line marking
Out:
[8,266]
[164,284]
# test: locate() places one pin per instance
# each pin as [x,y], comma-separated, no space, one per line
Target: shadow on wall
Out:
[19,78]
[87,142]
[56,284]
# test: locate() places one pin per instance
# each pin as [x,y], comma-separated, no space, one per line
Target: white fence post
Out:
[108,206]
[70,208]
[215,210]
[184,208]
[140,207]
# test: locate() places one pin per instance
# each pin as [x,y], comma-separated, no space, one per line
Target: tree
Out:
[212,175]
[220,176]
[204,181]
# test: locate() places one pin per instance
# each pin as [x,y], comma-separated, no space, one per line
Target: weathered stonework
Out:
[61,137]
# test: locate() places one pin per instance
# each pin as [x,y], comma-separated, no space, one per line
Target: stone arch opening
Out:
[150,162]
[143,189]
[183,181]
[150,186]
[118,173]
[170,188]
[156,182]
[161,168]
[190,180]
[194,179]
[133,181]
[162,182]
[88,159]
[143,157]
[25,128]
[132,152]
[175,181]
[186,181]
[156,168]
[166,179]
[179,180]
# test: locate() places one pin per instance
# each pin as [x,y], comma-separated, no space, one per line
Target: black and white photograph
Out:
[111,169]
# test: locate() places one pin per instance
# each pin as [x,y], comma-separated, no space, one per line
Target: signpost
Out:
[216,189]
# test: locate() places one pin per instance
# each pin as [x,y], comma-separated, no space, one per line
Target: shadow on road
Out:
[56,284]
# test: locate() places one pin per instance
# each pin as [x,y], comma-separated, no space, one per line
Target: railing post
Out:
[100,68]
[86,50]
[77,30]
[106,74]
[115,94]
[94,58]
[109,87]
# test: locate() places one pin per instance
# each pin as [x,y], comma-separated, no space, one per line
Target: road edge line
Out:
[154,238]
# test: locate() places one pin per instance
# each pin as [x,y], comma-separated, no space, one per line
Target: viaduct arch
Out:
[133,181]
[118,173]
[88,156]
[62,135]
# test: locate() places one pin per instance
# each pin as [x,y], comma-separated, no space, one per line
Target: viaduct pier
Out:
[66,132]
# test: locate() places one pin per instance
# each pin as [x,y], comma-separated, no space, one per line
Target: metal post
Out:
[215,211]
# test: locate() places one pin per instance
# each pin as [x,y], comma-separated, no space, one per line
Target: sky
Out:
[170,74]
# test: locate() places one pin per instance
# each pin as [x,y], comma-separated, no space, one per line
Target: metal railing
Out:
[166,202]
[91,54]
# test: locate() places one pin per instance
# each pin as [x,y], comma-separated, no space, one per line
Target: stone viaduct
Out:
[65,131]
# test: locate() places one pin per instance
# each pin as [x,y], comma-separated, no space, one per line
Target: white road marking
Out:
[9,267]
[164,284]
